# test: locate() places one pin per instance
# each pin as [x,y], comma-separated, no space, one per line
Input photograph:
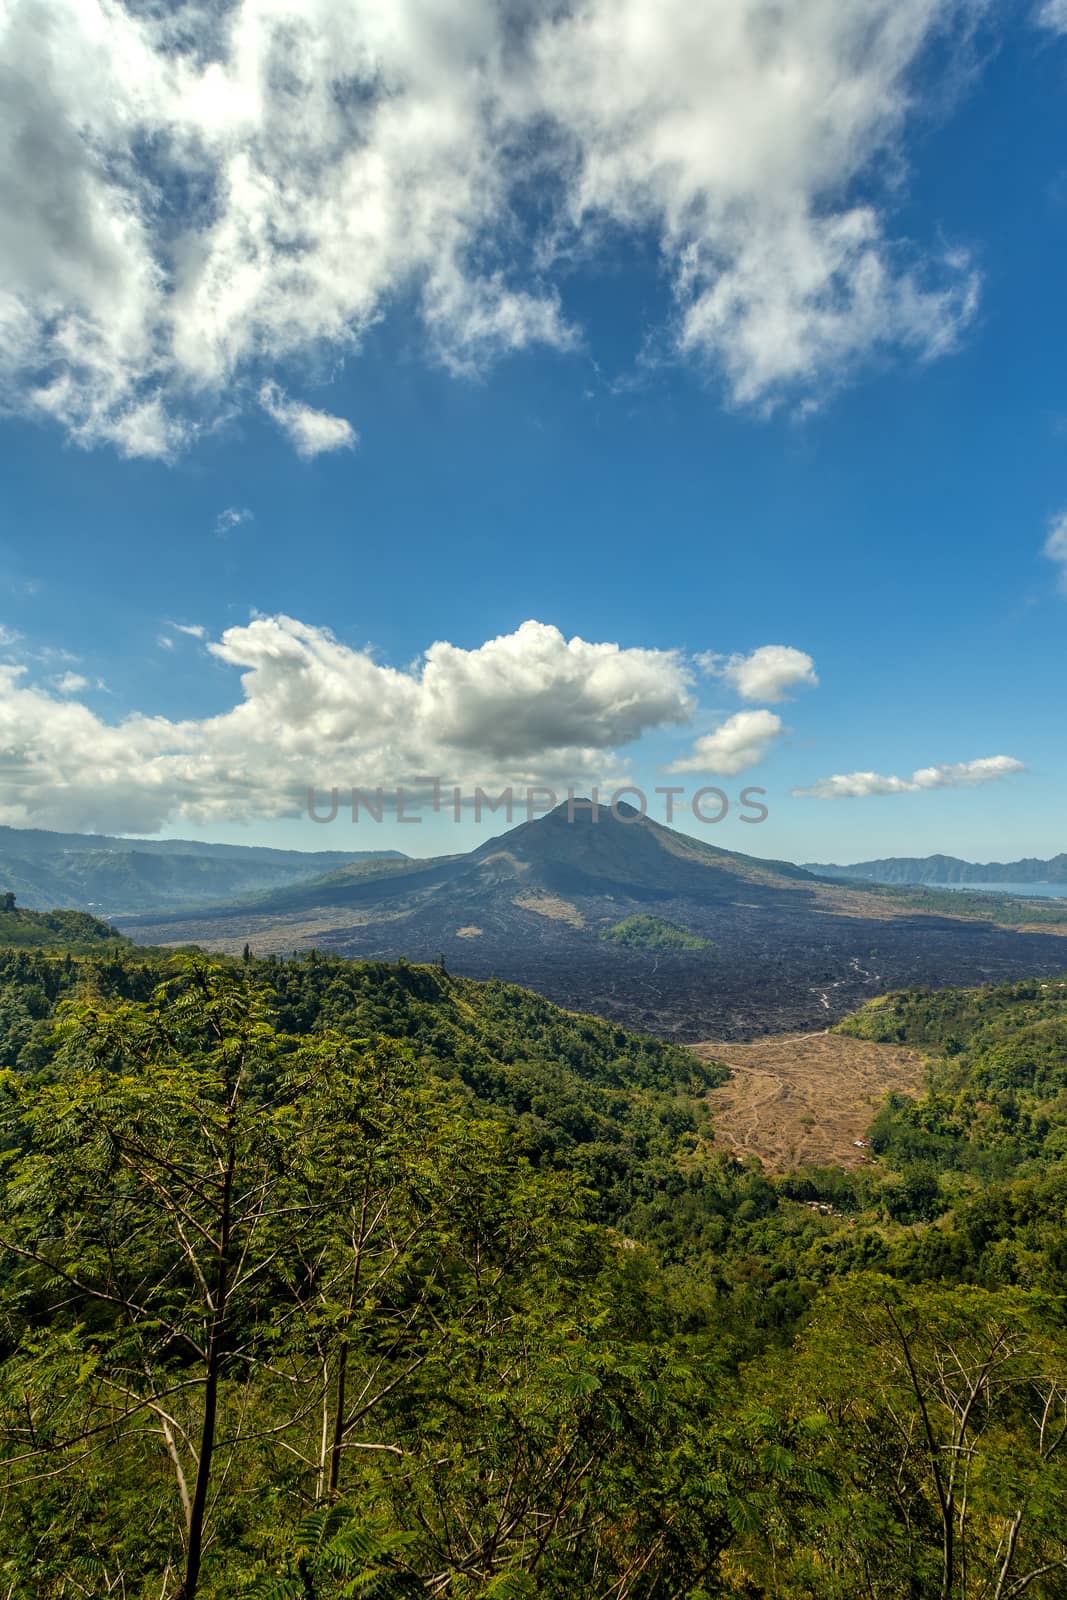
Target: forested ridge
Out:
[326,1278]
[70,931]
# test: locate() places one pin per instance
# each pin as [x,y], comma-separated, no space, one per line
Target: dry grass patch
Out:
[804,1098]
[550,905]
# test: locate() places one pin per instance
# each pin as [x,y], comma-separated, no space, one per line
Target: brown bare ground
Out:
[549,905]
[803,1098]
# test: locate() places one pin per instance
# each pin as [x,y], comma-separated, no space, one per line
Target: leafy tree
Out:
[947,1421]
[249,1272]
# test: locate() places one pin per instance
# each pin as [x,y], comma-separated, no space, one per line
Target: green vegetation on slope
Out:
[997,1104]
[322,1278]
[653,933]
[581,1093]
[59,930]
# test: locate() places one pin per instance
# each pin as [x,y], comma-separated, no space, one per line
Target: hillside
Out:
[771,948]
[111,876]
[42,844]
[997,1102]
[58,930]
[580,1087]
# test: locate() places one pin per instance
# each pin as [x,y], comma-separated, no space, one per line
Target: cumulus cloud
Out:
[949,775]
[1053,14]
[313,433]
[531,707]
[742,741]
[192,197]
[769,673]
[1056,543]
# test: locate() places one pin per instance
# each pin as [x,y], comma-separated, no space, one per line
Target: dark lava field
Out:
[770,970]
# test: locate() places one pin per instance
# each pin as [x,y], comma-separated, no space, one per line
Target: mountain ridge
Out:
[105,873]
[942,869]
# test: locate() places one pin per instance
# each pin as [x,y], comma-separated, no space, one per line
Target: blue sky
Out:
[581,409]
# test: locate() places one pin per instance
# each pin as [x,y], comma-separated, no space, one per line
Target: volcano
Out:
[615,914]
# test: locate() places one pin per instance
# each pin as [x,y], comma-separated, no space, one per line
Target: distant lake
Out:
[1047,891]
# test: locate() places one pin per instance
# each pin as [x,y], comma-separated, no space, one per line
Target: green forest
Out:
[323,1278]
[653,933]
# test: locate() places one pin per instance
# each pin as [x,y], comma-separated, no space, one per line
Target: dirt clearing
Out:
[804,1098]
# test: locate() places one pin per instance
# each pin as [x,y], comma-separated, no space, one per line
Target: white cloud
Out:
[232,517]
[734,133]
[1056,543]
[190,197]
[195,630]
[312,432]
[531,707]
[949,775]
[70,683]
[742,741]
[1053,14]
[853,785]
[769,673]
[164,641]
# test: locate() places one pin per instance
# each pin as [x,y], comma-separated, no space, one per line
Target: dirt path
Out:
[805,1097]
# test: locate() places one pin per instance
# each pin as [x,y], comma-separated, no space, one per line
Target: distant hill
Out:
[781,948]
[947,869]
[112,876]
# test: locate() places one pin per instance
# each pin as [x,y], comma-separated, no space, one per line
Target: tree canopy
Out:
[329,1279]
